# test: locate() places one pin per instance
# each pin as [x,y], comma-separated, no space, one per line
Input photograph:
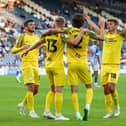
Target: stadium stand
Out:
[17,11]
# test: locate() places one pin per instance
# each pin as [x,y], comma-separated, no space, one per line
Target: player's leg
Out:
[96,68]
[114,92]
[86,77]
[73,81]
[107,89]
[59,80]
[115,98]
[74,90]
[18,75]
[108,100]
[50,96]
[89,96]
[32,85]
[30,100]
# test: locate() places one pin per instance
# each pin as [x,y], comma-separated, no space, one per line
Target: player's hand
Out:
[85,14]
[101,22]
[83,30]
[24,53]
[25,47]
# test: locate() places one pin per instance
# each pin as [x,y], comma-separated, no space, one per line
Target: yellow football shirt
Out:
[32,56]
[78,53]
[54,50]
[112,48]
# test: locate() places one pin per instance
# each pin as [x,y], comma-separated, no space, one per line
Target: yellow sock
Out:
[75,102]
[108,101]
[89,95]
[30,100]
[115,98]
[24,101]
[49,99]
[58,102]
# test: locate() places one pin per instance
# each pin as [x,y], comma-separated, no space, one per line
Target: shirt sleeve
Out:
[19,41]
[18,45]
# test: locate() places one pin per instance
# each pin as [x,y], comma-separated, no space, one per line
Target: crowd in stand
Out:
[10,28]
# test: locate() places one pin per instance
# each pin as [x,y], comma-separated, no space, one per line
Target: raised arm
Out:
[100,36]
[123,32]
[89,21]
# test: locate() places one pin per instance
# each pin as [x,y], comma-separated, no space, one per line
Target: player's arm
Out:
[17,50]
[55,30]
[123,32]
[51,31]
[89,21]
[37,44]
[18,47]
[78,38]
[99,36]
[75,40]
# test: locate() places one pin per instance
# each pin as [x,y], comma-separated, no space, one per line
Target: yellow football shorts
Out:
[109,74]
[56,76]
[31,75]
[78,71]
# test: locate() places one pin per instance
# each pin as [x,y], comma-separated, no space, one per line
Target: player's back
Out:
[78,53]
[54,50]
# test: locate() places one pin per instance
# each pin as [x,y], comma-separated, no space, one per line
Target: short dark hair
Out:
[77,20]
[113,20]
[27,21]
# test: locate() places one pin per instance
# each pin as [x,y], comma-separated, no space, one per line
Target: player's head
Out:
[59,22]
[112,24]
[29,25]
[77,20]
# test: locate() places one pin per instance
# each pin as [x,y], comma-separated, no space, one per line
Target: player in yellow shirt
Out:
[110,68]
[29,67]
[78,63]
[55,67]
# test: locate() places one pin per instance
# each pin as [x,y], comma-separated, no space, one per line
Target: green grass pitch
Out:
[11,93]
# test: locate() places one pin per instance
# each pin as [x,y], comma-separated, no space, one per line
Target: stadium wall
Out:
[6,70]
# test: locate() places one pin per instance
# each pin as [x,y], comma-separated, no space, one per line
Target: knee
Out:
[112,88]
[106,89]
[53,88]
[88,86]
[58,89]
[35,91]
[74,89]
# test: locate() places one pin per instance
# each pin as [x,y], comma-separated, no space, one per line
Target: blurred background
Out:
[14,12]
